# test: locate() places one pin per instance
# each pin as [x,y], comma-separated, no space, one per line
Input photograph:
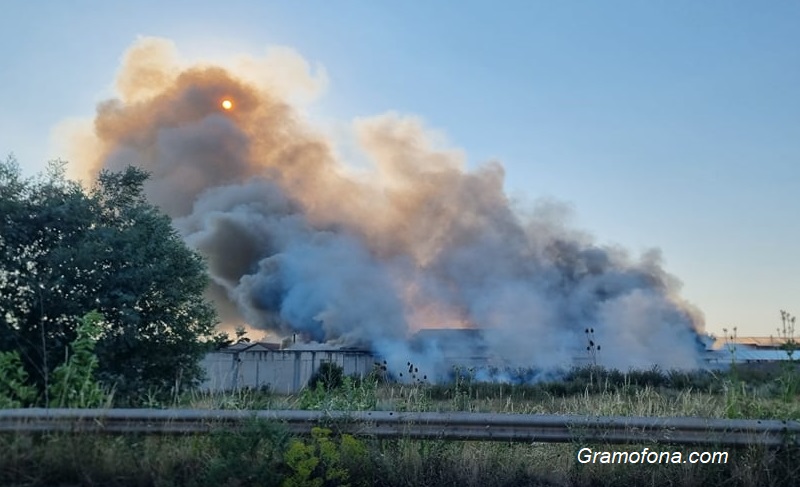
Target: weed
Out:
[14,389]
[73,383]
[323,460]
[351,395]
[253,456]
[790,379]
[330,375]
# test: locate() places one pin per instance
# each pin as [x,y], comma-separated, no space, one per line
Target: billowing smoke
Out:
[300,242]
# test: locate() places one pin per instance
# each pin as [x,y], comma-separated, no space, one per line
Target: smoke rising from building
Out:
[298,241]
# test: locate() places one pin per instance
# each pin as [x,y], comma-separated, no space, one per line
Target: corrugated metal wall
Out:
[283,371]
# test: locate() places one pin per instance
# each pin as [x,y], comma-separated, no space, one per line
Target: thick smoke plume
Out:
[300,242]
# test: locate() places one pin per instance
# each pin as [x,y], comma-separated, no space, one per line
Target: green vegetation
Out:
[322,460]
[14,389]
[66,250]
[350,395]
[73,384]
[329,375]
[254,456]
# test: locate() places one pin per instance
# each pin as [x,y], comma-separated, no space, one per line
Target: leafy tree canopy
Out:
[66,250]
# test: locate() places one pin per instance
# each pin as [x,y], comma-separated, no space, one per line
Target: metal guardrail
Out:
[387,425]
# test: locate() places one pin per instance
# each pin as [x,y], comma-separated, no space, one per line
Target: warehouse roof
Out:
[760,342]
[751,355]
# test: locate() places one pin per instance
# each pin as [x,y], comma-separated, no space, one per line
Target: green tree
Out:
[66,250]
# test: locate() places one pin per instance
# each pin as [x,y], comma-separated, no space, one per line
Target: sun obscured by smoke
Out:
[298,243]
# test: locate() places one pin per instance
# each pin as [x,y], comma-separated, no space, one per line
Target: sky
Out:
[671,125]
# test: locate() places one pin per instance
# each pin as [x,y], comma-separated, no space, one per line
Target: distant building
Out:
[724,351]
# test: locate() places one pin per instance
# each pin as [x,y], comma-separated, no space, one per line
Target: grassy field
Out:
[264,455]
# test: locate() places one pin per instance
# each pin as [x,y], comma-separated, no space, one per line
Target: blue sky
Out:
[663,124]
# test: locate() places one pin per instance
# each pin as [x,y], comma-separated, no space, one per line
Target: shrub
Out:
[324,460]
[330,375]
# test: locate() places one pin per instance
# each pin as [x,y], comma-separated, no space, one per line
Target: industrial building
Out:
[288,367]
[284,370]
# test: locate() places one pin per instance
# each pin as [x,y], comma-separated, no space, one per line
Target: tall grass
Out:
[264,455]
[754,392]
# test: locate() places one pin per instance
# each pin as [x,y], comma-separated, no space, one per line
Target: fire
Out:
[227,104]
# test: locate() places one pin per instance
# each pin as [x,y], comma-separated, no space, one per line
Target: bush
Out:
[330,375]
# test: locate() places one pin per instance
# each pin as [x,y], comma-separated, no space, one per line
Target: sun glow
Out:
[227,104]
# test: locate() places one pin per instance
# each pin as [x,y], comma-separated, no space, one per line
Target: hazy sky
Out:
[664,124]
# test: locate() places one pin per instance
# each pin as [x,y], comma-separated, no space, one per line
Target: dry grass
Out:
[644,401]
